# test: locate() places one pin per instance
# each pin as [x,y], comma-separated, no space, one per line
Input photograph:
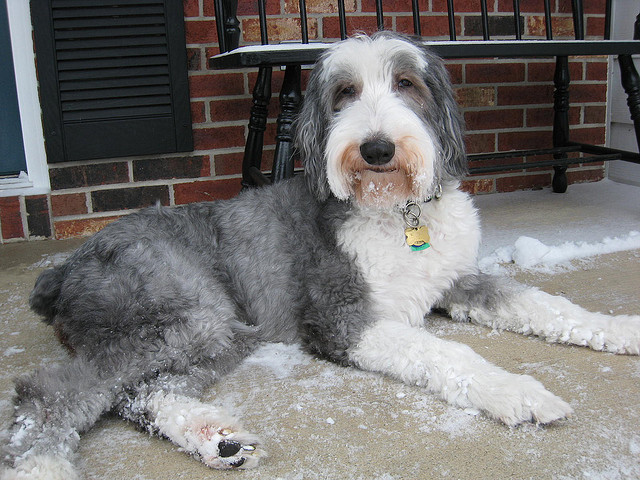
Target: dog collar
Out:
[416,235]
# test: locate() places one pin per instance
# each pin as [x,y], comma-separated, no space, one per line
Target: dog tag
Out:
[417,237]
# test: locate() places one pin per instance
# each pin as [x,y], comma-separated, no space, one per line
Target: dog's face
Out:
[379,124]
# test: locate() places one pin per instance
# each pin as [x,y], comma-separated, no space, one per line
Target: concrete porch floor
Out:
[320,421]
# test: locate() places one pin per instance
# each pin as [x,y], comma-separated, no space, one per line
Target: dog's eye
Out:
[348,91]
[404,83]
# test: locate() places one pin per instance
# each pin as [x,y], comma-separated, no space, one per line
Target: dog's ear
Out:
[310,135]
[447,116]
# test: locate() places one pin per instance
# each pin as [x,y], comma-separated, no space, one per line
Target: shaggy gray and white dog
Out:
[348,259]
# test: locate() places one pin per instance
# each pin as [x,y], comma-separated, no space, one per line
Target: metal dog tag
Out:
[417,237]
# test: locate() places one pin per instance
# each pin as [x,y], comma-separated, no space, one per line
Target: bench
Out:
[292,56]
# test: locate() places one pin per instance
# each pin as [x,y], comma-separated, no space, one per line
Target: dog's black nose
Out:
[377,152]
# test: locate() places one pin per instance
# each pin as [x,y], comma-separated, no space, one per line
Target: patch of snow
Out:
[531,254]
[12,351]
[279,358]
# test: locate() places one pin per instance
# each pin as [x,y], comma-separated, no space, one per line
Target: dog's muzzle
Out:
[377,152]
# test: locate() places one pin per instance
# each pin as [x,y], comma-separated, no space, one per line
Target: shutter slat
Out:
[84,3]
[122,42]
[113,73]
[142,51]
[102,83]
[112,62]
[110,114]
[111,103]
[135,31]
[107,22]
[108,11]
[121,92]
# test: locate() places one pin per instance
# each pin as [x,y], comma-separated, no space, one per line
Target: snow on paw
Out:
[41,467]
[226,448]
[205,432]
[515,399]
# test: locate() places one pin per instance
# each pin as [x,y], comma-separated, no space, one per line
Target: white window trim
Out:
[36,179]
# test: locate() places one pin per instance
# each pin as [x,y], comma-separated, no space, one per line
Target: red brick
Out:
[38,218]
[280,29]
[81,227]
[543,117]
[480,143]
[218,137]
[230,110]
[562,27]
[71,204]
[493,119]
[11,218]
[594,26]
[476,96]
[246,8]
[461,6]
[596,71]
[582,176]
[479,186]
[455,72]
[228,163]
[88,175]
[526,6]
[594,114]
[430,25]
[216,85]
[522,140]
[187,166]
[200,31]
[394,6]
[321,6]
[355,24]
[198,114]
[525,95]
[206,190]
[194,59]
[588,93]
[590,7]
[523,182]
[191,8]
[594,136]
[544,71]
[494,73]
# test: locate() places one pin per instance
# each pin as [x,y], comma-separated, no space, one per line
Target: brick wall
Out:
[506,105]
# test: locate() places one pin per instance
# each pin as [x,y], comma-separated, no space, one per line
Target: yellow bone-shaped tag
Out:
[417,237]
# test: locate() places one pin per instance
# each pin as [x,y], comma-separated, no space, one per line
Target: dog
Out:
[348,258]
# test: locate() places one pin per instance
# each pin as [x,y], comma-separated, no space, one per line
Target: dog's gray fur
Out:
[174,297]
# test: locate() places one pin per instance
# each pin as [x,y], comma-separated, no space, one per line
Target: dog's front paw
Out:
[516,399]
[226,447]
[207,433]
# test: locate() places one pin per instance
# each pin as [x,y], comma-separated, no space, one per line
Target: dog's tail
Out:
[43,298]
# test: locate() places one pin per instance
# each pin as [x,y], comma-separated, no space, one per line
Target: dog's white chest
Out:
[406,283]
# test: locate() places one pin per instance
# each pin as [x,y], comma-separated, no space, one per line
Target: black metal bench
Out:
[292,56]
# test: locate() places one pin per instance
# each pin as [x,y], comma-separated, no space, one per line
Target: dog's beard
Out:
[383,186]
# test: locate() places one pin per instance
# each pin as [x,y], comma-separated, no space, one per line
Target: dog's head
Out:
[379,123]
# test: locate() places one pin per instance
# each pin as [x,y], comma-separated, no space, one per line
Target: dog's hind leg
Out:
[53,406]
[168,406]
[489,301]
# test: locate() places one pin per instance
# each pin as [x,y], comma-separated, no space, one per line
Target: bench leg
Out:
[290,98]
[631,85]
[257,123]
[561,81]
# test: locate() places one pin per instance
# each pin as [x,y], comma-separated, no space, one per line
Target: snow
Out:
[590,219]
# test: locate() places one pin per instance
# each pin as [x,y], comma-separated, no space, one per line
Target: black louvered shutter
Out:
[113,77]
